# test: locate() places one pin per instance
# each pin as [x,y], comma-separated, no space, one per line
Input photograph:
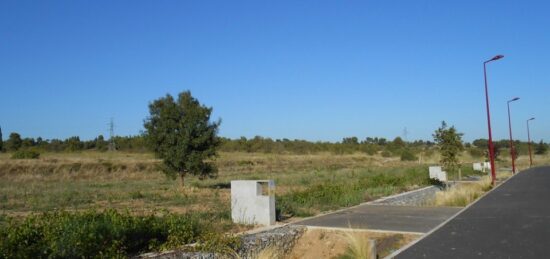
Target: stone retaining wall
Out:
[413,198]
[283,238]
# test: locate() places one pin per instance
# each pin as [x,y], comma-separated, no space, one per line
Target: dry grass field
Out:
[93,195]
[132,181]
[76,181]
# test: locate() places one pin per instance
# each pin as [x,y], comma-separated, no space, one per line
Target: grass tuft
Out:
[358,246]
[463,194]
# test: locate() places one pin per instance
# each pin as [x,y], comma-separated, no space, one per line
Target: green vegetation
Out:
[104,234]
[541,148]
[14,142]
[449,142]
[25,154]
[181,134]
[364,186]
[407,155]
[1,141]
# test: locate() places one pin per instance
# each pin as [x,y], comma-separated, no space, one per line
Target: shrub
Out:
[476,152]
[407,155]
[94,234]
[25,154]
[386,153]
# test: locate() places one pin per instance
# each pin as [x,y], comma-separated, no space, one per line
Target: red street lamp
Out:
[512,153]
[491,147]
[529,142]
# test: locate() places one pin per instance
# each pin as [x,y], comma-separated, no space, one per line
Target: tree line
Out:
[259,144]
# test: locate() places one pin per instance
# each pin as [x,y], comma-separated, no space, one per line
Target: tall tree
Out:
[14,142]
[1,141]
[181,133]
[450,145]
[541,148]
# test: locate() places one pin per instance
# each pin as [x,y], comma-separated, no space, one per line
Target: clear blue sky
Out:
[315,70]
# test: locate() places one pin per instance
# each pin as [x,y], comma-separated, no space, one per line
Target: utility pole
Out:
[112,146]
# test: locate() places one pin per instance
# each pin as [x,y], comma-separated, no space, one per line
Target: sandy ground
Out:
[318,243]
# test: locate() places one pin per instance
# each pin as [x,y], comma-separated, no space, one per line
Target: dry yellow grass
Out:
[97,180]
[463,194]
[359,246]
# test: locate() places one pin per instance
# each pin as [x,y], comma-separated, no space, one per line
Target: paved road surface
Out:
[385,217]
[513,221]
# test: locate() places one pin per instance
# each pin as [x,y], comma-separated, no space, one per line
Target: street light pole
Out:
[491,147]
[529,142]
[512,153]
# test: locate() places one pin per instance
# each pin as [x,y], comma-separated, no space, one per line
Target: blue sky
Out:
[315,70]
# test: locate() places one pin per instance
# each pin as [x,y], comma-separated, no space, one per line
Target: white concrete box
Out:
[437,173]
[253,202]
[434,171]
[487,165]
[478,167]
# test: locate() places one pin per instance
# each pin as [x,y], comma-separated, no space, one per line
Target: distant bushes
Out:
[90,234]
[25,154]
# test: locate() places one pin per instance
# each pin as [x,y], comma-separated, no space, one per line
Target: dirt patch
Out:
[317,243]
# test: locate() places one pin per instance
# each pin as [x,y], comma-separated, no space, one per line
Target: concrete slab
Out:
[385,217]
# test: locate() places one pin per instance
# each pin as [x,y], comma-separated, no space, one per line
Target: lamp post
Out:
[529,142]
[512,153]
[491,147]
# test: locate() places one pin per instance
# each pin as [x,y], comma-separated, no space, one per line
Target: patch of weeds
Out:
[136,195]
[104,234]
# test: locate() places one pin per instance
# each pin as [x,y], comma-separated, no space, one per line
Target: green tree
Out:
[541,148]
[1,141]
[73,144]
[14,142]
[181,133]
[350,141]
[100,143]
[398,142]
[449,142]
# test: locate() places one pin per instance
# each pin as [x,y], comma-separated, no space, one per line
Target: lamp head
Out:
[531,119]
[497,57]
[515,99]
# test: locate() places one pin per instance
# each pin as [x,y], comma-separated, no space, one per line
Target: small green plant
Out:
[407,155]
[386,153]
[90,234]
[25,154]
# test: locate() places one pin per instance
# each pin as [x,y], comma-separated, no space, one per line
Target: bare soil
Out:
[318,243]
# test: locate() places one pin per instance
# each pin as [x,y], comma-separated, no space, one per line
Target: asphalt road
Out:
[385,217]
[512,221]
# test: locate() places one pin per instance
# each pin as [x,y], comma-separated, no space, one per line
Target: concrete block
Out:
[442,176]
[478,166]
[437,173]
[434,171]
[487,165]
[253,202]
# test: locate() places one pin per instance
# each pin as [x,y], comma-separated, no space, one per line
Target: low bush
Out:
[95,234]
[386,153]
[407,155]
[25,154]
